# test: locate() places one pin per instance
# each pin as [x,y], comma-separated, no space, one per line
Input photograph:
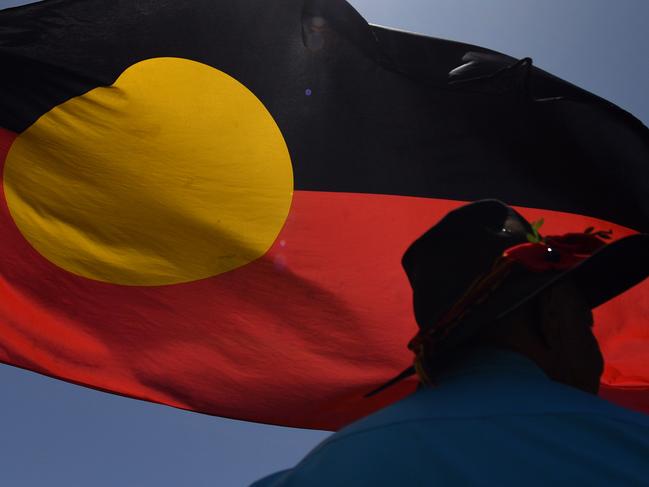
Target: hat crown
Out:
[461,247]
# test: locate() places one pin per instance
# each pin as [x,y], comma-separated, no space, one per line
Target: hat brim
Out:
[612,270]
[607,273]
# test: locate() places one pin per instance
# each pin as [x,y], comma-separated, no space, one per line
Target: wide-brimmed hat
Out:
[483,260]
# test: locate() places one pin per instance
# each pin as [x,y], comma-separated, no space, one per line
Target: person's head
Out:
[554,329]
[484,273]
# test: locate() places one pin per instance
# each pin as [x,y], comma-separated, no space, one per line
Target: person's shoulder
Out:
[575,401]
[378,455]
[436,413]
[421,437]
[274,480]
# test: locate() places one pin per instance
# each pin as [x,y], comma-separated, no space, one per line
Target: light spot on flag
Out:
[279,261]
[176,172]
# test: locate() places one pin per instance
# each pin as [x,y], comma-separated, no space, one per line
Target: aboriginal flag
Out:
[204,204]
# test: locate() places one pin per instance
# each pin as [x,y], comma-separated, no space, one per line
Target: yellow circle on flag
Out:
[174,173]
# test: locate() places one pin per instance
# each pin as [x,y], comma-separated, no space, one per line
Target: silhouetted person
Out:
[508,364]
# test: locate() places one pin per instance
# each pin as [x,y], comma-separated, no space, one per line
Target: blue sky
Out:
[57,434]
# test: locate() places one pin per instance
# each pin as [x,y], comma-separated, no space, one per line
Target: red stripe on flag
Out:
[6,139]
[295,338]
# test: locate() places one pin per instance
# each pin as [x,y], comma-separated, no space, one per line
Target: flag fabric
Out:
[204,204]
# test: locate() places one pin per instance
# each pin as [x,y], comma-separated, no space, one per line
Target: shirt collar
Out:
[490,361]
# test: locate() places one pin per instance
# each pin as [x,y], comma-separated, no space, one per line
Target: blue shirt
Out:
[494,419]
